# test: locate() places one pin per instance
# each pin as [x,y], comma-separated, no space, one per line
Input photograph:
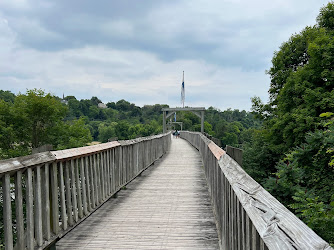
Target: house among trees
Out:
[101,105]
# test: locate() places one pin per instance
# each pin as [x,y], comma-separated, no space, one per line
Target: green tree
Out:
[7,96]
[304,180]
[325,18]
[107,131]
[301,89]
[36,114]
[71,134]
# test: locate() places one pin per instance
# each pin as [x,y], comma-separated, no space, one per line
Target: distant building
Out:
[101,105]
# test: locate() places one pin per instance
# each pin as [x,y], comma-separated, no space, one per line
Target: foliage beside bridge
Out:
[292,154]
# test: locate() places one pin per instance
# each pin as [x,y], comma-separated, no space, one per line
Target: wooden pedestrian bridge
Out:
[156,192]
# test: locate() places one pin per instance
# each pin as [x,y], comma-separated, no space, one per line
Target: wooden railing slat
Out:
[102,176]
[7,212]
[64,217]
[30,209]
[78,182]
[54,199]
[84,185]
[96,179]
[88,182]
[46,202]
[20,244]
[92,181]
[74,191]
[69,206]
[38,206]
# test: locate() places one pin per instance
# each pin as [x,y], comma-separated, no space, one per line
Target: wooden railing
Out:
[47,194]
[247,216]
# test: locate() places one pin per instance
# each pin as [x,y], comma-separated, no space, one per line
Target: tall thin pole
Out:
[182,91]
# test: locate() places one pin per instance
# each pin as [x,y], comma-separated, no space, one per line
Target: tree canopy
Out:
[291,153]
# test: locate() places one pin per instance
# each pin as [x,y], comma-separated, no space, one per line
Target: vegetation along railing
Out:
[46,194]
[247,216]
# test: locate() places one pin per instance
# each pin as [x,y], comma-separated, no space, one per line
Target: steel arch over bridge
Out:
[167,112]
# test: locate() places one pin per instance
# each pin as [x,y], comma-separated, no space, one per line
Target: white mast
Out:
[182,92]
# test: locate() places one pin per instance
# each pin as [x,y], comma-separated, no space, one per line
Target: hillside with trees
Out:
[37,118]
[292,153]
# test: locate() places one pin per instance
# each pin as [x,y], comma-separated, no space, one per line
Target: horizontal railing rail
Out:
[247,216]
[47,194]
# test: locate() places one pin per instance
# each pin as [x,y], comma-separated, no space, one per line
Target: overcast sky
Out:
[136,50]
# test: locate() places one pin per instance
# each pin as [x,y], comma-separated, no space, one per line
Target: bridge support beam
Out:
[197,111]
[202,121]
[164,122]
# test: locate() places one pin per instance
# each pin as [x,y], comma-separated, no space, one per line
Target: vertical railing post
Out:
[96,179]
[84,184]
[88,184]
[7,212]
[19,210]
[69,206]
[73,191]
[38,206]
[30,209]
[64,218]
[46,202]
[92,181]
[79,183]
[102,176]
[54,199]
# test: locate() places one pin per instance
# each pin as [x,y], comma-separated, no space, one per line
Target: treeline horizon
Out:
[36,118]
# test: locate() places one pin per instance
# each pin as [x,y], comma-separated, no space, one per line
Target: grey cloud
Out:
[169,29]
[137,50]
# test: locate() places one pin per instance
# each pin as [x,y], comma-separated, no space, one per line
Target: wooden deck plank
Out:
[167,207]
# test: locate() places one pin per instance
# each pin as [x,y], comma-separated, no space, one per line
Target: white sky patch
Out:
[91,70]
[15,4]
[117,28]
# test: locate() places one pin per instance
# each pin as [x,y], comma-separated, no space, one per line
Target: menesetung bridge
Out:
[148,193]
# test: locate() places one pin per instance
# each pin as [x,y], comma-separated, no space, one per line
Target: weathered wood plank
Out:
[92,180]
[71,153]
[54,199]
[30,209]
[38,206]
[14,164]
[96,179]
[74,192]
[69,206]
[88,183]
[64,217]
[20,244]
[84,185]
[7,212]
[102,175]
[78,182]
[46,202]
[107,177]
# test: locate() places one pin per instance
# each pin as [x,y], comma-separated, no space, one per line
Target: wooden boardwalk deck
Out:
[167,207]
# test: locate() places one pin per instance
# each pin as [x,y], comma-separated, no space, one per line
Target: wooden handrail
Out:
[63,187]
[247,216]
